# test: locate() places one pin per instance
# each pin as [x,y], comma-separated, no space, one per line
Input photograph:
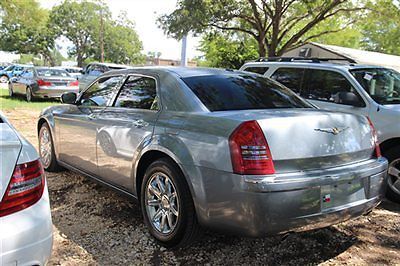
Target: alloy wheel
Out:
[394,176]
[3,79]
[45,147]
[162,203]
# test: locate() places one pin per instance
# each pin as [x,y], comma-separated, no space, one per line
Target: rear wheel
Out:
[29,96]
[393,189]
[167,205]
[3,79]
[46,150]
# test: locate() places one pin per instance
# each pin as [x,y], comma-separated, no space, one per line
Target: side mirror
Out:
[69,97]
[348,98]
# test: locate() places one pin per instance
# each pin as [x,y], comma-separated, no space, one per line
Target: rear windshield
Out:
[49,72]
[242,92]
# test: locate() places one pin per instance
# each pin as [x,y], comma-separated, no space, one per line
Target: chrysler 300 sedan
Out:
[226,150]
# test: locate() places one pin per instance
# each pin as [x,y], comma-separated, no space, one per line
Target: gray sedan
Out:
[227,150]
[42,82]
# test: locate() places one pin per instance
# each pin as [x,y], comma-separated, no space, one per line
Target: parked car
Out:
[93,70]
[75,72]
[366,90]
[11,71]
[42,82]
[25,219]
[228,150]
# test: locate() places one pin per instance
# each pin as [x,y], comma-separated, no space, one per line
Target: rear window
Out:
[49,72]
[257,69]
[242,92]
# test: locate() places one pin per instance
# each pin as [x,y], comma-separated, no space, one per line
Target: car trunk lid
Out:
[10,147]
[58,81]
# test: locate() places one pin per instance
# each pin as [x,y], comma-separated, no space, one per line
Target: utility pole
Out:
[101,36]
[183,52]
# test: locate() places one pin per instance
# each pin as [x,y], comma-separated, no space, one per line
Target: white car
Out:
[370,91]
[26,235]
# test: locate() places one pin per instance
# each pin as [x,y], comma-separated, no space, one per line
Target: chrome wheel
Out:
[3,79]
[394,176]
[45,147]
[162,203]
[28,95]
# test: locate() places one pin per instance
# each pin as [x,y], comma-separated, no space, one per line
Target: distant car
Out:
[228,150]
[11,71]
[75,72]
[25,219]
[42,82]
[93,70]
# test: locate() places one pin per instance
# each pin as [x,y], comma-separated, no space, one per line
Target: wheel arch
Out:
[389,144]
[42,120]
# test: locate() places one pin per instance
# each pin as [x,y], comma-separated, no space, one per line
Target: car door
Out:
[125,127]
[20,81]
[78,125]
[321,87]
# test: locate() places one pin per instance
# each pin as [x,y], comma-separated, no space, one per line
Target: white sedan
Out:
[25,221]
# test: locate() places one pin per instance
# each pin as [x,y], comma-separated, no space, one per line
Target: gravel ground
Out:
[94,225]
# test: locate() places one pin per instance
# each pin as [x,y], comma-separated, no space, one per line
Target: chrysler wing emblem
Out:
[333,130]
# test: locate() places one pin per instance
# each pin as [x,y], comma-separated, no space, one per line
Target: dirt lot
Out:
[95,226]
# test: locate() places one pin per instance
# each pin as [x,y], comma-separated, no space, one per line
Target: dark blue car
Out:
[11,71]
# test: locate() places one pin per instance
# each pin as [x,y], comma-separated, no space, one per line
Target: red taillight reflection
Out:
[41,82]
[375,136]
[249,150]
[25,188]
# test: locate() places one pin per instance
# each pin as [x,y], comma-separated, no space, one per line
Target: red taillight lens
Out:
[73,83]
[375,136]
[41,82]
[249,150]
[25,188]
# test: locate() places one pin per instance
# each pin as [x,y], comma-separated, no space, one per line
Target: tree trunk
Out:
[79,59]
[262,51]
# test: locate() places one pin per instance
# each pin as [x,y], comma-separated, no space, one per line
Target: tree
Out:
[227,49]
[80,23]
[381,28]
[276,25]
[24,28]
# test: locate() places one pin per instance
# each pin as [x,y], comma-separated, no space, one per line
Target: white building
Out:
[318,50]
[6,57]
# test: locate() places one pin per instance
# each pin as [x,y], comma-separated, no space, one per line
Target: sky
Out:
[144,13]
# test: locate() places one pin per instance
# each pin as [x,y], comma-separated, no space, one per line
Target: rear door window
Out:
[290,77]
[324,85]
[242,92]
[257,69]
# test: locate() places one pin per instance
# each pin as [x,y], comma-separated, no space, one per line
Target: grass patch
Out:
[18,101]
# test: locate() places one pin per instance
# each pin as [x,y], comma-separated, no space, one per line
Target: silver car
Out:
[226,150]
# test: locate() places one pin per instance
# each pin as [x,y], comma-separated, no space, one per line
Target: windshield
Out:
[49,72]
[242,92]
[382,84]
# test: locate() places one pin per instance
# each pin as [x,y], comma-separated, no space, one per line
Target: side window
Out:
[138,92]
[290,77]
[27,73]
[101,92]
[259,70]
[324,85]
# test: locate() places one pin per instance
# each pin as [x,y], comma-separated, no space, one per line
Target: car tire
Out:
[29,95]
[4,79]
[10,90]
[46,150]
[393,191]
[177,225]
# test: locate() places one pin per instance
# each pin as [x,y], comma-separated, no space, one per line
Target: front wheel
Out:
[3,79]
[46,150]
[393,189]
[10,90]
[29,95]
[167,205]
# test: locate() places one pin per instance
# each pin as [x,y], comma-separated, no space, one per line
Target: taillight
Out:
[41,82]
[25,188]
[375,137]
[249,150]
[73,83]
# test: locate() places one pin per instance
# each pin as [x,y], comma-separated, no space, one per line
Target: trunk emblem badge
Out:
[333,130]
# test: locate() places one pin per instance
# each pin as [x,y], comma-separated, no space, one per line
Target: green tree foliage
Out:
[381,27]
[80,22]
[276,25]
[24,28]
[227,49]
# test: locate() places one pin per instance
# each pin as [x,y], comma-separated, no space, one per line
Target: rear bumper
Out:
[26,236]
[54,92]
[263,205]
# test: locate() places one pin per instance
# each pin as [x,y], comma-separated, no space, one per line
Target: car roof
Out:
[313,64]
[182,72]
[112,65]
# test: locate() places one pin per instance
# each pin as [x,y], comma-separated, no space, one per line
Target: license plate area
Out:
[341,194]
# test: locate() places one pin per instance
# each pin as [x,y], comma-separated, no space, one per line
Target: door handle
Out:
[92,116]
[139,123]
